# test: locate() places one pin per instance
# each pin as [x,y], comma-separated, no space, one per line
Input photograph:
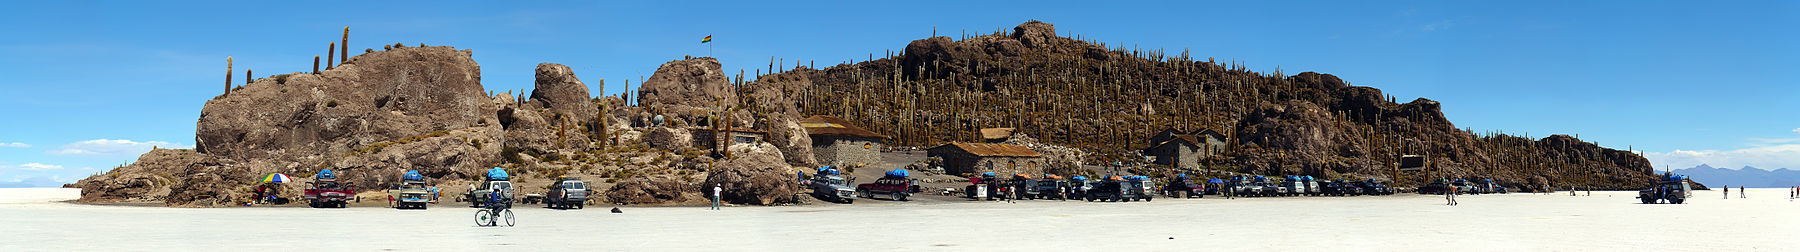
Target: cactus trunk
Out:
[227,75]
[345,47]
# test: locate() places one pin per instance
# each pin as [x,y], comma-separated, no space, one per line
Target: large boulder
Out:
[668,138]
[756,175]
[648,190]
[374,97]
[696,82]
[560,91]
[793,141]
[1036,34]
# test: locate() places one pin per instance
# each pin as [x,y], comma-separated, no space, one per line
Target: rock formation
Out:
[755,175]
[1109,99]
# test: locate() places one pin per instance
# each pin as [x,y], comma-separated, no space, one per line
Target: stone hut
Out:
[704,139]
[976,158]
[836,142]
[1184,151]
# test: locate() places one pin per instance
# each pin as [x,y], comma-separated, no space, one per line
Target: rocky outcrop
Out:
[560,91]
[648,190]
[756,175]
[379,113]
[1036,34]
[680,86]
[780,95]
[146,181]
[1108,99]
[374,97]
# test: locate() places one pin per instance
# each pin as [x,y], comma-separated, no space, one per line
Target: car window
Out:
[574,185]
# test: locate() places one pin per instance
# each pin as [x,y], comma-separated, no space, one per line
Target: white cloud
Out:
[1796,130]
[23,145]
[39,167]
[1439,25]
[1765,157]
[110,147]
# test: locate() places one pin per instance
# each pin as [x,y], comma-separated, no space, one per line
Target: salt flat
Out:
[1606,221]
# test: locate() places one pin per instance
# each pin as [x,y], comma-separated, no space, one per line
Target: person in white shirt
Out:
[717,190]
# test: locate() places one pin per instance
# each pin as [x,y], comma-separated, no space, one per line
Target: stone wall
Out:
[846,151]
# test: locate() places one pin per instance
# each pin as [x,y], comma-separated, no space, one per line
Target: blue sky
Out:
[93,84]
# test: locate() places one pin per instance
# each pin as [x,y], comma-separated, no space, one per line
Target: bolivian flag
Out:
[708,39]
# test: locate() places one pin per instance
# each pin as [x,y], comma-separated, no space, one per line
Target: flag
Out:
[708,39]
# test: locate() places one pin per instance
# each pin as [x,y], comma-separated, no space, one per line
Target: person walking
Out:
[1741,192]
[718,189]
[1453,192]
[1727,191]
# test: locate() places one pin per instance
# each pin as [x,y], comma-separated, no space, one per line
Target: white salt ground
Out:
[1606,221]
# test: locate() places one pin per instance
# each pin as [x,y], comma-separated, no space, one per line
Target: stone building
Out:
[967,159]
[704,139]
[1184,150]
[836,142]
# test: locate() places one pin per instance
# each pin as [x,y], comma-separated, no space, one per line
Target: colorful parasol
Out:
[276,178]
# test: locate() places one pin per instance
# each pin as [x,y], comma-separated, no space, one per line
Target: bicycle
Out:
[493,215]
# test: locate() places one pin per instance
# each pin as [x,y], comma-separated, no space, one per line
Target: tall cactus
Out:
[315,64]
[330,51]
[227,74]
[247,78]
[345,46]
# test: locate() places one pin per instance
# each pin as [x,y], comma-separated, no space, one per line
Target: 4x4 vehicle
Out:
[567,193]
[1370,187]
[1184,187]
[1116,189]
[1053,187]
[1023,186]
[1243,187]
[496,181]
[1269,189]
[1464,187]
[326,192]
[1439,186]
[829,186]
[1670,188]
[412,193]
[1142,186]
[1078,187]
[895,185]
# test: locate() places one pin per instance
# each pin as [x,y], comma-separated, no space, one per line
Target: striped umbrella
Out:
[276,178]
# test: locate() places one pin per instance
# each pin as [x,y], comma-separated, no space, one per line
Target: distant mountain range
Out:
[1747,177]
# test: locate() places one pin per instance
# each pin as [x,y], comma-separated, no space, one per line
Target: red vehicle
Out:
[325,191]
[895,185]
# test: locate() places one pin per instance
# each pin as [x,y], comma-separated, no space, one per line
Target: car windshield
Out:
[574,185]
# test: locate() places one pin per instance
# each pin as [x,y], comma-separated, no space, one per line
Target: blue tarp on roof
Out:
[412,175]
[497,174]
[325,174]
[897,173]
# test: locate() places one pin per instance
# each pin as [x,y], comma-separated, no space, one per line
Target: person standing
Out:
[1727,191]
[717,190]
[1741,192]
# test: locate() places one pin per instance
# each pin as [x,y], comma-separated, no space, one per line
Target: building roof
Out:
[996,133]
[1190,140]
[821,125]
[1215,134]
[740,130]
[993,149]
